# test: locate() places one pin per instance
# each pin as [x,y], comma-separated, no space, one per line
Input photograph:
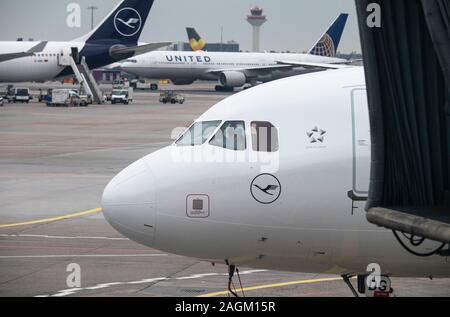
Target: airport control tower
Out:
[256,19]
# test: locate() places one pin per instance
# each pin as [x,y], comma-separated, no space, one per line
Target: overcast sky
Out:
[292,24]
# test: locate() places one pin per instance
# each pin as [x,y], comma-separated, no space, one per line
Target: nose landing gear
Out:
[347,281]
[232,269]
[381,288]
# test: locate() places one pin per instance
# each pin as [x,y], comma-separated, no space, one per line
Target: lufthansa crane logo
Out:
[266,189]
[128,22]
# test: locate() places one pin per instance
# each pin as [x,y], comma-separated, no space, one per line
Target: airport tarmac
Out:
[54,165]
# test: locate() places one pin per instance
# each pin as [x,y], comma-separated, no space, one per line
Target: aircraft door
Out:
[75,54]
[64,57]
[361,144]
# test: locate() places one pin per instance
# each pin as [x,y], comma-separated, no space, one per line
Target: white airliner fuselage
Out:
[114,39]
[286,209]
[39,67]
[187,67]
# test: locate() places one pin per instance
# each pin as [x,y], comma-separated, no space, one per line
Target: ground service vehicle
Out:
[172,97]
[67,98]
[21,95]
[45,97]
[144,85]
[124,96]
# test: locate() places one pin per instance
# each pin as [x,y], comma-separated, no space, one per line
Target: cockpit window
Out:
[230,136]
[198,133]
[264,137]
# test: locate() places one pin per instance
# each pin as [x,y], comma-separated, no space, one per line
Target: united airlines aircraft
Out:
[236,69]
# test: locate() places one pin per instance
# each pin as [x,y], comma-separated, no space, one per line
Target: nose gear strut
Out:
[232,269]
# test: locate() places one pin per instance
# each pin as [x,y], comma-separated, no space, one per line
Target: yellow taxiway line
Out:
[254,288]
[69,216]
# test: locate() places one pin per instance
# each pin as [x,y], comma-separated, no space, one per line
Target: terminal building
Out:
[230,46]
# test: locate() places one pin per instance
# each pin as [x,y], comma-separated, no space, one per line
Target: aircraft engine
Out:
[232,79]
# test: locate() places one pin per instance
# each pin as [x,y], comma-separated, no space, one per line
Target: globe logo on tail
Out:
[127,22]
[325,47]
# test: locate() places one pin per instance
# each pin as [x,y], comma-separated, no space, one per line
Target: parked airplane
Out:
[272,178]
[114,39]
[236,69]
[195,41]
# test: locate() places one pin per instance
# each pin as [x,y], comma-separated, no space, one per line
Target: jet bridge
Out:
[82,73]
[406,48]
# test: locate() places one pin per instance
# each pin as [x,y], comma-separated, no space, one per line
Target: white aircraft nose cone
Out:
[129,203]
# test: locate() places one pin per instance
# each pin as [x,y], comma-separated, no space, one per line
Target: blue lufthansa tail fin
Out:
[329,42]
[123,25]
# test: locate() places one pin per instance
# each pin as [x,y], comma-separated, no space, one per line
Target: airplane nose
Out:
[129,203]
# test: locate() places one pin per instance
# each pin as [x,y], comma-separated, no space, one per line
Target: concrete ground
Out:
[57,161]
